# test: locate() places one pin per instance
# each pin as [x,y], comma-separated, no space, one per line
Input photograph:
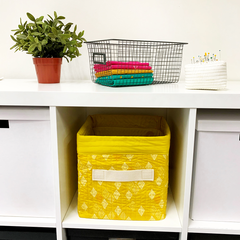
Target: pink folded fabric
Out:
[126,63]
[121,65]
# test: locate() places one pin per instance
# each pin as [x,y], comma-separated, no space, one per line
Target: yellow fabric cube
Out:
[123,143]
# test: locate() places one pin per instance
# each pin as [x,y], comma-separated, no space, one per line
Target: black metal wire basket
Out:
[118,62]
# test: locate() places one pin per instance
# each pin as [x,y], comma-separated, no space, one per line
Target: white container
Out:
[26,168]
[216,175]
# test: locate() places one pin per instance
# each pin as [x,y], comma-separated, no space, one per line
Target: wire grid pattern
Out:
[165,58]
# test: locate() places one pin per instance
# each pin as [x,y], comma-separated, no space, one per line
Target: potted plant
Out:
[48,41]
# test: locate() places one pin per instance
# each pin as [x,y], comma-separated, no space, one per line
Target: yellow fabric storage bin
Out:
[123,167]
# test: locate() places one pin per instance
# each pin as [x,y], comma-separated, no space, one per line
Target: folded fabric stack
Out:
[115,73]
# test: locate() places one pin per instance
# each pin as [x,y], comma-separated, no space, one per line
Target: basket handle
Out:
[4,124]
[99,54]
[122,176]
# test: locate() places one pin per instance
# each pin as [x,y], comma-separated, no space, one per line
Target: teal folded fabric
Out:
[125,82]
[127,76]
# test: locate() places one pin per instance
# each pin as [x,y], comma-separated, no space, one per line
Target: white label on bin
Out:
[122,176]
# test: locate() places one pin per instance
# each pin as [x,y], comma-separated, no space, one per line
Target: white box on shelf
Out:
[26,168]
[216,176]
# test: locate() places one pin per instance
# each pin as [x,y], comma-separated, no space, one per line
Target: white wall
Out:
[207,25]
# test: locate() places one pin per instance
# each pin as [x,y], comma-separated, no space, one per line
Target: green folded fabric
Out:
[125,82]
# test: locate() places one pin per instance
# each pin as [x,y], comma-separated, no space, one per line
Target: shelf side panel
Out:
[182,124]
[69,121]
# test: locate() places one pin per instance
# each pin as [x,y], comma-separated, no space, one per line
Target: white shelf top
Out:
[170,224]
[214,227]
[28,222]
[20,92]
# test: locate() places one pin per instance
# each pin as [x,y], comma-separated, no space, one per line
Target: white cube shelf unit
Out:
[69,103]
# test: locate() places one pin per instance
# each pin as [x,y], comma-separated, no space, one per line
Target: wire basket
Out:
[118,62]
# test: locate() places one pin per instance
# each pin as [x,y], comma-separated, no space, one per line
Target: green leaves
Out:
[36,33]
[54,31]
[13,38]
[48,38]
[31,17]
[39,22]
[40,19]
[65,36]
[21,36]
[44,42]
[68,26]
[32,48]
[31,38]
[80,34]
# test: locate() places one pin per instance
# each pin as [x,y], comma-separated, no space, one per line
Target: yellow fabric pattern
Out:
[121,71]
[141,200]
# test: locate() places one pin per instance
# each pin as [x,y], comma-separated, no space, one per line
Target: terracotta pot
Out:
[48,69]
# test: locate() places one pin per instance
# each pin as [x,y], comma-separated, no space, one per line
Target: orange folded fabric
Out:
[121,71]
